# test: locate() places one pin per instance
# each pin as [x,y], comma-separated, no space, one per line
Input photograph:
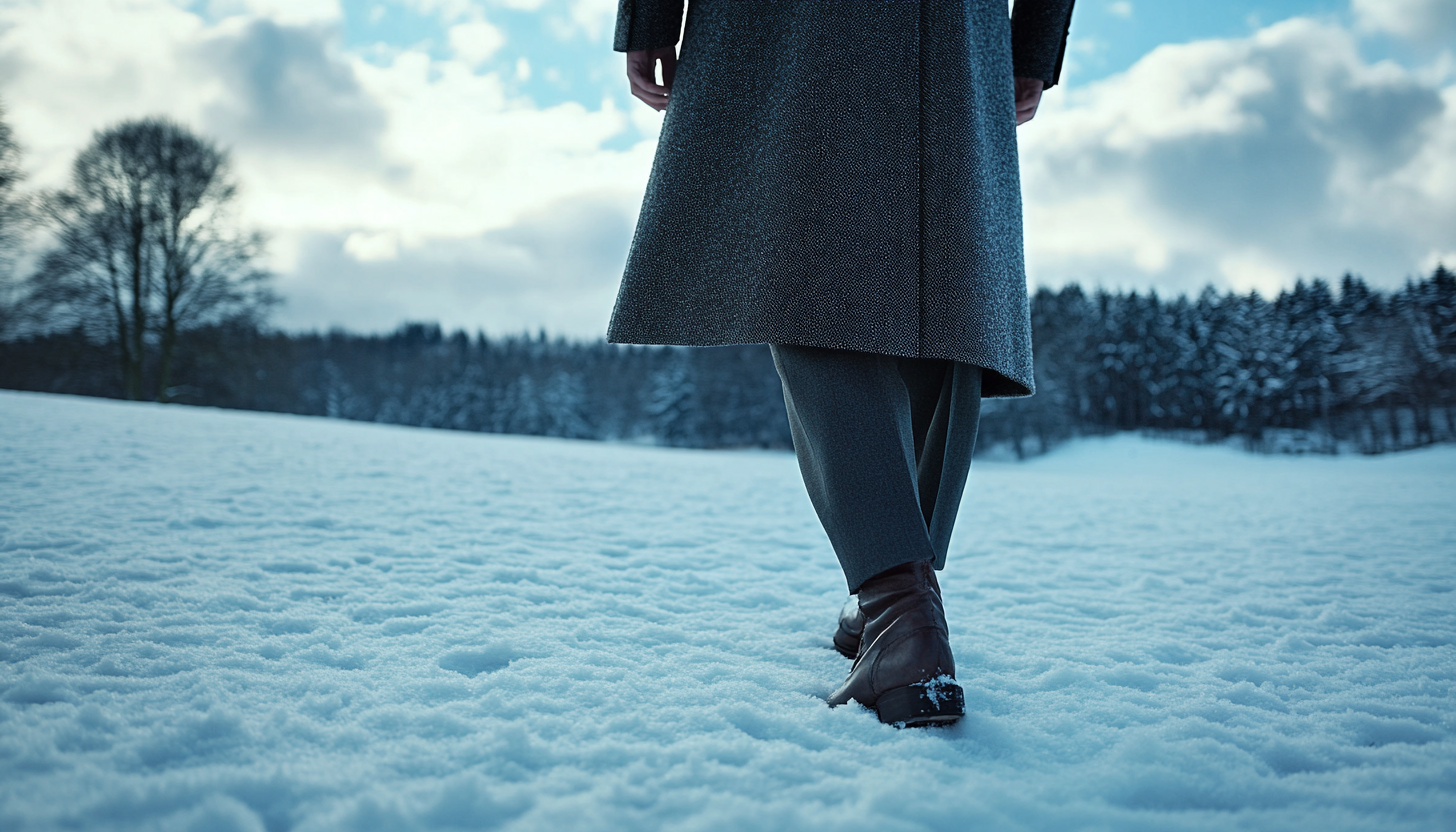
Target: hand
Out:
[642,73]
[1028,96]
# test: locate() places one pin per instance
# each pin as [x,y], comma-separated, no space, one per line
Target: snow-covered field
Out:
[224,621]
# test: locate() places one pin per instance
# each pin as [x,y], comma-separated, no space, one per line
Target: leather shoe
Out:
[903,667]
[851,627]
[851,623]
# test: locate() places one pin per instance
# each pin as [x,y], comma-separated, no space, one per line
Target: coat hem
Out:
[997,383]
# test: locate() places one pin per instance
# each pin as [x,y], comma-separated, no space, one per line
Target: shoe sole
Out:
[922,705]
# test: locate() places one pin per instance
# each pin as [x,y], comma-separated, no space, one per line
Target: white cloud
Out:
[447,10]
[1120,8]
[285,12]
[557,268]
[1438,257]
[477,159]
[594,18]
[476,41]
[1422,21]
[1244,163]
[65,75]
[372,248]
[408,185]
[589,19]
[1253,268]
[382,171]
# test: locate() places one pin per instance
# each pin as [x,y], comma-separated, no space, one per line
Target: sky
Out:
[480,163]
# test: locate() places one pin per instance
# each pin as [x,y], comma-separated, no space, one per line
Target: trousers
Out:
[884,444]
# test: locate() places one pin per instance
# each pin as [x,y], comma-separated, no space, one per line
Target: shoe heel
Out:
[850,630]
[937,702]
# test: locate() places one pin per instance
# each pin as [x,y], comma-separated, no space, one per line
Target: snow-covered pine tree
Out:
[563,407]
[669,402]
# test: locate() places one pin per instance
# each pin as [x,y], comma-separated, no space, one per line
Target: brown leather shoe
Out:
[851,627]
[851,623]
[904,669]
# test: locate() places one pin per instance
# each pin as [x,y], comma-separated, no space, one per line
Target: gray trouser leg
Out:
[885,446]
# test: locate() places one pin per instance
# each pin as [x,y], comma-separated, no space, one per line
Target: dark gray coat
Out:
[840,173]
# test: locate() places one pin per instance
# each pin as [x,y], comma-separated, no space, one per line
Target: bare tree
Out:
[15,218]
[145,247]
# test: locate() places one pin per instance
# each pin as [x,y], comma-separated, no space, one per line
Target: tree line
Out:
[143,286]
[1318,368]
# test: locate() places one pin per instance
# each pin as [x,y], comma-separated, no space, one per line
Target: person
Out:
[838,179]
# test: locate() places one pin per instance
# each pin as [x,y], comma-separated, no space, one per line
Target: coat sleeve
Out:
[1038,38]
[647,24]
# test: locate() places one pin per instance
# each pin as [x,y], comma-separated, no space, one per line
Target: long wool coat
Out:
[840,173]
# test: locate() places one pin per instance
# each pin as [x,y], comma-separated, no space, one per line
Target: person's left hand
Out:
[1028,96]
[642,75]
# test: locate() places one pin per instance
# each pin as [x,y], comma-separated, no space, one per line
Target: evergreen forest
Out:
[1320,368]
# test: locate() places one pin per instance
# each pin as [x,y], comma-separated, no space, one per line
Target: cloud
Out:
[481,211]
[447,10]
[521,5]
[367,247]
[65,75]
[280,87]
[475,42]
[403,185]
[284,12]
[555,268]
[592,18]
[1420,21]
[1242,162]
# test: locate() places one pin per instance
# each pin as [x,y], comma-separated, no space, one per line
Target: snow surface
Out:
[229,621]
